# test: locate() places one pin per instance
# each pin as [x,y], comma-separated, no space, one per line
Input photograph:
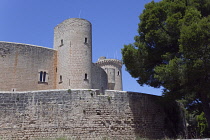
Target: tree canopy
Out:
[172,50]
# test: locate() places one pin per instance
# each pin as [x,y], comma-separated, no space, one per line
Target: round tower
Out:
[113,68]
[73,42]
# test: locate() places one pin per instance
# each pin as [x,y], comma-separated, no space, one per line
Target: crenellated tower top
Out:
[113,69]
[103,61]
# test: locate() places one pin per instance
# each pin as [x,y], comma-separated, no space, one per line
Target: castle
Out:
[59,93]
[67,66]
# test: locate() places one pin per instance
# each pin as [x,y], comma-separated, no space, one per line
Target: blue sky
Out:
[114,24]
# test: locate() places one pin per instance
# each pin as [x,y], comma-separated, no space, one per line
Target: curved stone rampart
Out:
[81,114]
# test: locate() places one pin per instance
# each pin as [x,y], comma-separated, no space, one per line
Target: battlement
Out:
[48,93]
[113,69]
[103,61]
[73,21]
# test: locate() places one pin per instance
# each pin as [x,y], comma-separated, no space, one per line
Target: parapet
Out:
[73,21]
[15,44]
[103,61]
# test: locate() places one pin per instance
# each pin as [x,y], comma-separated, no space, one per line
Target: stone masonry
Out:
[20,65]
[68,65]
[59,93]
[80,114]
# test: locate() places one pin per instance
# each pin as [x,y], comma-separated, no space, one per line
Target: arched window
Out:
[86,76]
[40,76]
[44,76]
[118,73]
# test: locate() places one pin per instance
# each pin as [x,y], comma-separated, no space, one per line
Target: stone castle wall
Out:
[26,67]
[81,114]
[99,78]
[21,64]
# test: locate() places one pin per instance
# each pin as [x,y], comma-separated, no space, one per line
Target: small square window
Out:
[13,89]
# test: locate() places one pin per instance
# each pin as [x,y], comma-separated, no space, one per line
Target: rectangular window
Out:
[61,79]
[61,43]
[86,41]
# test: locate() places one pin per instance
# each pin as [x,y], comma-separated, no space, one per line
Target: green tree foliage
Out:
[196,121]
[202,124]
[172,50]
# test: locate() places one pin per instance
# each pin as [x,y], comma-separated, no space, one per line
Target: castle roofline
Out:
[5,42]
[72,19]
[109,62]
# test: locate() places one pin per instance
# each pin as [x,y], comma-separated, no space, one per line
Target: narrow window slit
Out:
[60,78]
[61,42]
[86,76]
